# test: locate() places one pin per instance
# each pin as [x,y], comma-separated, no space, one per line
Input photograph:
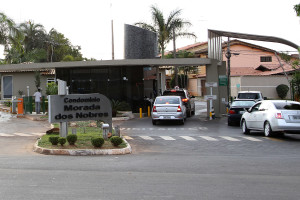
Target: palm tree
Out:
[164,28]
[297,9]
[34,35]
[7,30]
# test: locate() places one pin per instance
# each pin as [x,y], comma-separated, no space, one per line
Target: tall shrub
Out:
[282,90]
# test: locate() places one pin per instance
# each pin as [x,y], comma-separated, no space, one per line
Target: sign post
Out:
[210,97]
[63,126]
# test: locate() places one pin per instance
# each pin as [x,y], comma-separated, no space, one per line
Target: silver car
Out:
[272,116]
[168,108]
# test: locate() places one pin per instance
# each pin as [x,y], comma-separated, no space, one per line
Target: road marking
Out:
[167,138]
[171,129]
[252,139]
[38,134]
[5,135]
[22,134]
[128,137]
[164,129]
[209,138]
[229,138]
[274,139]
[147,138]
[188,138]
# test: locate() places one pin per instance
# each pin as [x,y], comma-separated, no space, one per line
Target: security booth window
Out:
[7,87]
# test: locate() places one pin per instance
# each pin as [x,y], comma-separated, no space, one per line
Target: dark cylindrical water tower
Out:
[139,43]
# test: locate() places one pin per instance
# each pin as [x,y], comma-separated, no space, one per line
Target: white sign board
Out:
[211,84]
[79,107]
[210,97]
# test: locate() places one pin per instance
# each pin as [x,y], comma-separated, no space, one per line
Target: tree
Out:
[7,30]
[29,42]
[297,9]
[34,35]
[58,47]
[37,81]
[183,70]
[164,28]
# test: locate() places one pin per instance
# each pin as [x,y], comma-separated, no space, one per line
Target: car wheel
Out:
[182,122]
[245,128]
[229,123]
[268,130]
[193,111]
[153,122]
[189,113]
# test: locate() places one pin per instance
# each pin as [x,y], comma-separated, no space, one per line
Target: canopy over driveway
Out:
[215,46]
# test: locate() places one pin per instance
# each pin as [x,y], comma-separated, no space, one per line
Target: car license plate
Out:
[242,112]
[296,117]
[167,117]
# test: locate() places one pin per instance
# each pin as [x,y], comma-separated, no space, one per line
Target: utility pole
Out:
[112,38]
[112,34]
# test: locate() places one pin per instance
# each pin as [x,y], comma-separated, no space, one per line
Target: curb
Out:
[82,152]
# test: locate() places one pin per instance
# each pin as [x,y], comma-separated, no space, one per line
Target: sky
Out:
[88,23]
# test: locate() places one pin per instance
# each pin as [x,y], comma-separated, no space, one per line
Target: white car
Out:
[272,116]
[168,108]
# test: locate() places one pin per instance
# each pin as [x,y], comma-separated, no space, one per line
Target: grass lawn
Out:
[84,136]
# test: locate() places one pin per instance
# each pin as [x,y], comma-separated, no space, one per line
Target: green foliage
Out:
[62,141]
[20,92]
[68,58]
[29,42]
[7,103]
[36,56]
[97,142]
[164,27]
[182,81]
[296,82]
[54,140]
[116,140]
[282,90]
[297,9]
[52,88]
[72,139]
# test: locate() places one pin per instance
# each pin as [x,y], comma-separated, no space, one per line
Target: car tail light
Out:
[278,116]
[173,90]
[231,112]
[179,109]
[154,109]
[185,100]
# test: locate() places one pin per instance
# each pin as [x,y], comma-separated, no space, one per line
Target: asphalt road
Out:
[202,159]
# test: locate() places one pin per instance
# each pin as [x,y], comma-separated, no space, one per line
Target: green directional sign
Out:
[223,80]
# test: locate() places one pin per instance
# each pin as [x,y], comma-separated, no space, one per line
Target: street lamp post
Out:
[228,55]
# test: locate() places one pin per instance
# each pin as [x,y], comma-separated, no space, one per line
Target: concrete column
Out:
[62,90]
[213,71]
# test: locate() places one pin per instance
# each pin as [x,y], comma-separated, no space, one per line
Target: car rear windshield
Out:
[248,96]
[174,93]
[243,103]
[167,100]
[287,106]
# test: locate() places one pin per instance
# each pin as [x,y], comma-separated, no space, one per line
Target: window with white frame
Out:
[7,87]
[50,80]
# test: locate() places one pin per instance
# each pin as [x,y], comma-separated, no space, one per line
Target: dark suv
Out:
[186,98]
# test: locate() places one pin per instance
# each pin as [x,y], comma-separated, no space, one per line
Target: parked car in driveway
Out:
[168,108]
[272,116]
[255,95]
[186,98]
[237,109]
